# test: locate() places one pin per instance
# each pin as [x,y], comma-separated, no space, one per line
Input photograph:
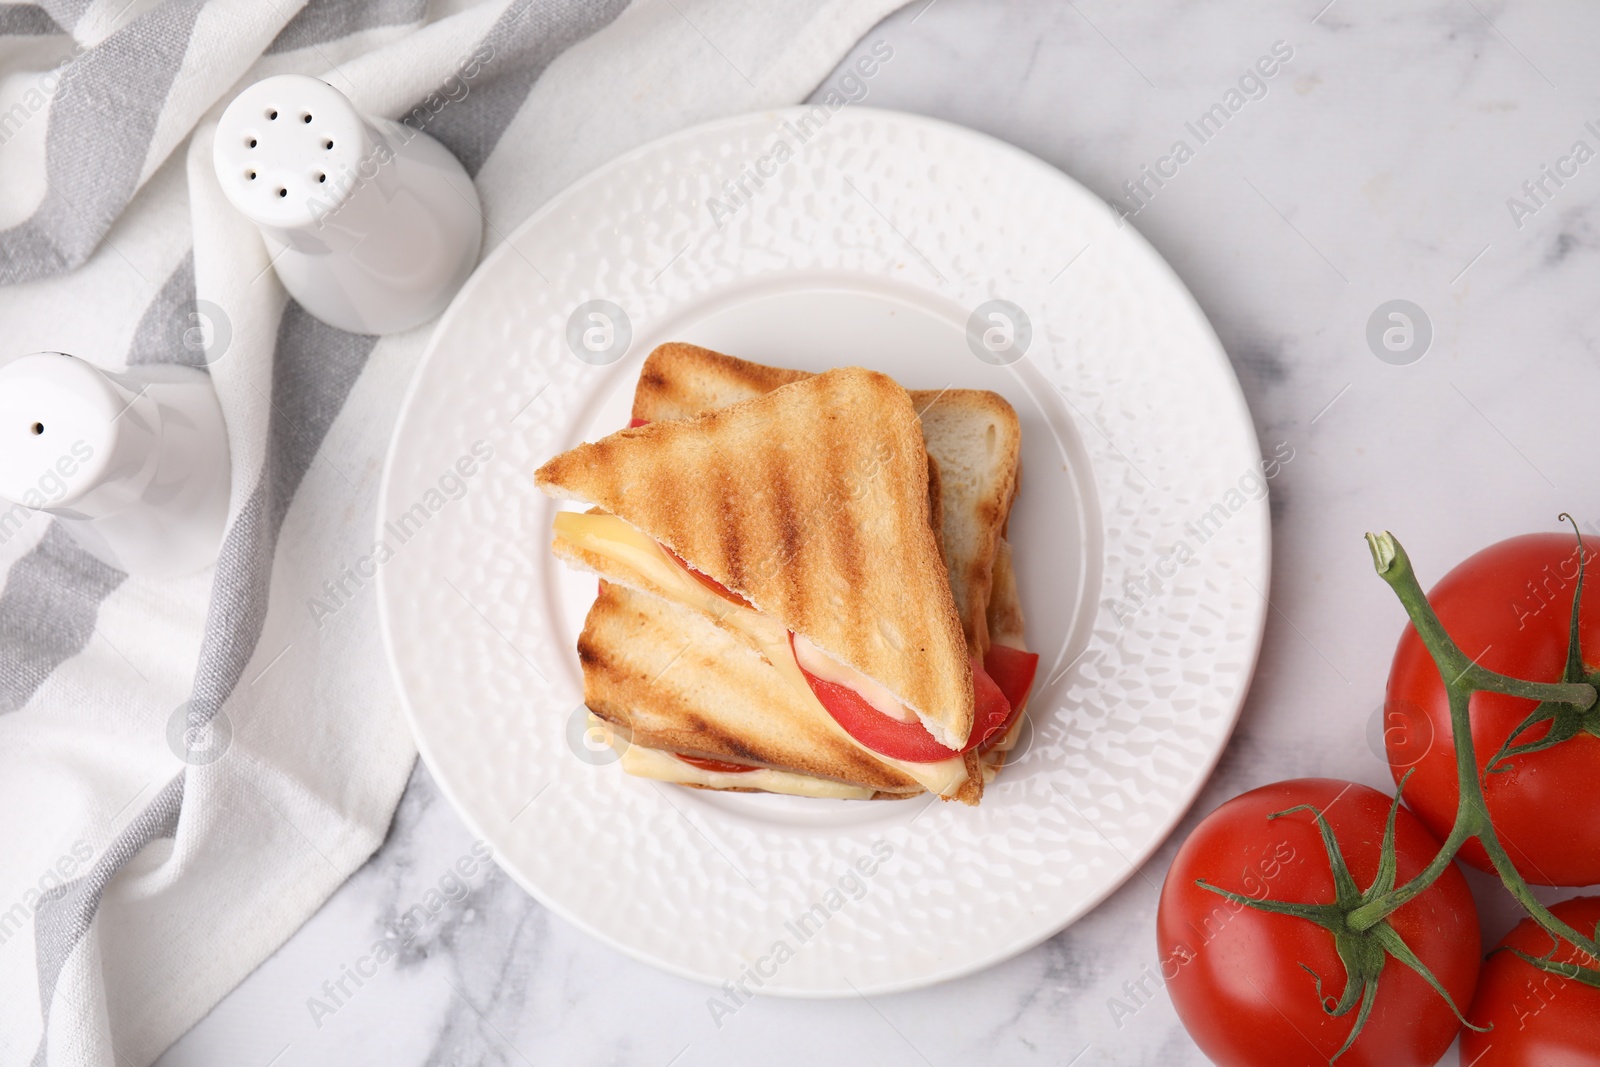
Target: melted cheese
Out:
[624,544]
[665,767]
[821,665]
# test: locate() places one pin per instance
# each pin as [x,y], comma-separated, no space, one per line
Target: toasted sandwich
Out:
[971,435]
[839,544]
[686,701]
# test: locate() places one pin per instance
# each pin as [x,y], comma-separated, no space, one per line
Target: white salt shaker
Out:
[136,464]
[372,226]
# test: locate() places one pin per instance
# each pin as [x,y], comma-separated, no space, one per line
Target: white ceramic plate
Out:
[870,238]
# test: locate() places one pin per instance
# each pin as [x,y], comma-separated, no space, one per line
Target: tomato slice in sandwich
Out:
[715,765]
[909,741]
[1012,670]
[706,580]
[634,424]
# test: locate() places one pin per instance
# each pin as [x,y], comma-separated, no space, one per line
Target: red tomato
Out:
[1012,670]
[716,765]
[909,741]
[634,424]
[706,580]
[991,711]
[1510,606]
[1235,974]
[1539,1019]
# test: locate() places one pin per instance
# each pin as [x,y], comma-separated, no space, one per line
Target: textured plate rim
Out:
[1179,809]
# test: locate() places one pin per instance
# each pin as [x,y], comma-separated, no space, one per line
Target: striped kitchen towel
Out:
[189,768]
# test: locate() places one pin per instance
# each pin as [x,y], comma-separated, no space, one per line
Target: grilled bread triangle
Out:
[810,501]
[671,679]
[972,435]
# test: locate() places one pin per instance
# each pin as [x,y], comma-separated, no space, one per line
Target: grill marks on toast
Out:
[683,381]
[680,381]
[732,510]
[672,680]
[726,492]
[848,565]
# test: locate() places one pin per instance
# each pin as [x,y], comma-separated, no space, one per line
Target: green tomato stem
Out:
[1394,566]
[1462,678]
[1571,971]
[1518,887]
[1472,819]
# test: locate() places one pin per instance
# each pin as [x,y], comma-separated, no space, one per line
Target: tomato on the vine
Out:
[1244,981]
[1539,1019]
[1508,606]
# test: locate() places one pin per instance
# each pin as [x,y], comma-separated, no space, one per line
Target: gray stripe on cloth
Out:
[66,13]
[315,368]
[317,365]
[102,118]
[48,612]
[27,20]
[328,20]
[40,627]
[65,913]
[525,39]
[162,331]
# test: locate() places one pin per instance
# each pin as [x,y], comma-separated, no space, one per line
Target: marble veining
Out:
[1377,166]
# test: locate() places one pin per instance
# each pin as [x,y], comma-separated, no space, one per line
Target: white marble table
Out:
[1377,166]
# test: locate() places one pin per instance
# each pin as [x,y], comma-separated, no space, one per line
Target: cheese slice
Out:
[665,767]
[623,543]
[819,664]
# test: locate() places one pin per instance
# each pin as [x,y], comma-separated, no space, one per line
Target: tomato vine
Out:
[1358,919]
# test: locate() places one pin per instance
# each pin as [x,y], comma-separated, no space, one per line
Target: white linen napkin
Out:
[189,768]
